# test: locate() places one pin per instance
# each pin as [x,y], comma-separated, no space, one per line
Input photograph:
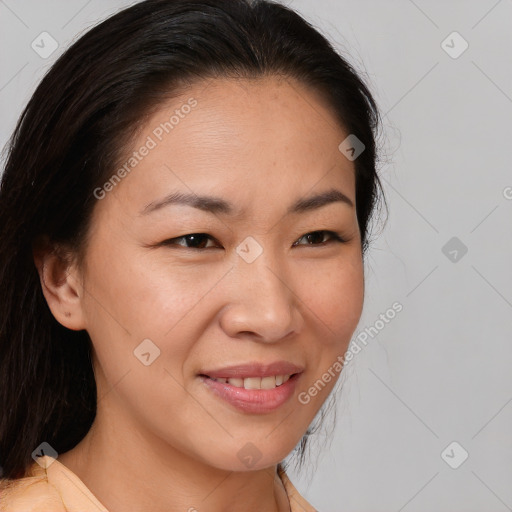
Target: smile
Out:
[249,395]
[255,382]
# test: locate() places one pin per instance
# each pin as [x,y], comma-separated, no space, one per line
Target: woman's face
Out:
[255,286]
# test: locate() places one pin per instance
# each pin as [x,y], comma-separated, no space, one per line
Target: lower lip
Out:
[257,401]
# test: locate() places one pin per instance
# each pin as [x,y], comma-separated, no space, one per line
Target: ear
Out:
[59,278]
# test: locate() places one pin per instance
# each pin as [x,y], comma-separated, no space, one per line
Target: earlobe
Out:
[60,284]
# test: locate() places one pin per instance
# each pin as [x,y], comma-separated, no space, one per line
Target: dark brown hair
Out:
[70,137]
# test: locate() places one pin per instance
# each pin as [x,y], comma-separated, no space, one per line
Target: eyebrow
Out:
[217,205]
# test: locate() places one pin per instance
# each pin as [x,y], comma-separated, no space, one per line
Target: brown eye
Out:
[317,238]
[192,241]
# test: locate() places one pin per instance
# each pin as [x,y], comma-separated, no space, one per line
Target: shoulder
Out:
[32,493]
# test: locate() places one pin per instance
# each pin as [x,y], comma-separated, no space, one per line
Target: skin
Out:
[260,144]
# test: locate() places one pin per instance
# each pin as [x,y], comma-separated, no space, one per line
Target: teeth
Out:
[256,382]
[268,382]
[252,383]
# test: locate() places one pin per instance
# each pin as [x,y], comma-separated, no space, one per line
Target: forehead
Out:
[247,138]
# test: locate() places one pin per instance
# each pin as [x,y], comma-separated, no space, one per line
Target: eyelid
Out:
[334,237]
[169,240]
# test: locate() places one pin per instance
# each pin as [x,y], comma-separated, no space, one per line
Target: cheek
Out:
[335,302]
[142,296]
[136,299]
[334,294]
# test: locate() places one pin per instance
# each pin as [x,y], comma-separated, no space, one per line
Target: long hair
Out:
[73,132]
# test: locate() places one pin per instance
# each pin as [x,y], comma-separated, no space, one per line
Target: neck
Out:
[139,473]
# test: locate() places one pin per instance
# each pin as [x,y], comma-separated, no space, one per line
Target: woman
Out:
[185,204]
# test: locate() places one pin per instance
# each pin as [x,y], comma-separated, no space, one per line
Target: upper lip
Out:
[243,371]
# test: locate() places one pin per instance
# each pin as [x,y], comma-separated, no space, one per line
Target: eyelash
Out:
[335,237]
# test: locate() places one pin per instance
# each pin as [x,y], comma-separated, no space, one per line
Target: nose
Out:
[262,304]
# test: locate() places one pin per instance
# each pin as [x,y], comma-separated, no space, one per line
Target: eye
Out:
[196,241]
[199,240]
[316,237]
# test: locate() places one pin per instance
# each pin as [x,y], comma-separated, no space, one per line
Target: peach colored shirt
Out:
[55,488]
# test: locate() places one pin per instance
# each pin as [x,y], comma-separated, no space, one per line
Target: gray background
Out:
[439,372]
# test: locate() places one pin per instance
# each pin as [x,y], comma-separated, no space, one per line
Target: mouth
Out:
[271,382]
[254,388]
